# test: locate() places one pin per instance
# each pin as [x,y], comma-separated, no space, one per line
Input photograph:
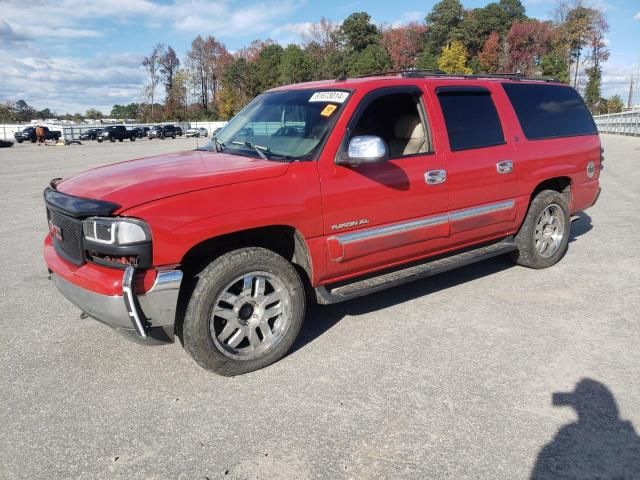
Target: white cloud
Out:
[69,20]
[67,84]
[616,78]
[637,16]
[35,38]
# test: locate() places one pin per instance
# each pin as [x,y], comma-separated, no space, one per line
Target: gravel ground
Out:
[452,377]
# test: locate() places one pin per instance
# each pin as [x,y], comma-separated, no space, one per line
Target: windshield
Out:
[286,125]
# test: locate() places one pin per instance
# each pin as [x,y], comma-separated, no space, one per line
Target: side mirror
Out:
[365,149]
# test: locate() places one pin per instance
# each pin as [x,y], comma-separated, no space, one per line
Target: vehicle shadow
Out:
[320,318]
[599,445]
[581,226]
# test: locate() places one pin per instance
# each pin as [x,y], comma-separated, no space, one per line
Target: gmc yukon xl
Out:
[322,191]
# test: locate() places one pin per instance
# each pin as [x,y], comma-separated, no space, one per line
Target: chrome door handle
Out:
[434,177]
[505,166]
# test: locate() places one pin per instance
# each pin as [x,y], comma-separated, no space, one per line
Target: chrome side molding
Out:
[433,220]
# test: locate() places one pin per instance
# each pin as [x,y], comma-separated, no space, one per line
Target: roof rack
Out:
[426,73]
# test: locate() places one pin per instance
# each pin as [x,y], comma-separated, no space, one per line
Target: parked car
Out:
[90,134]
[142,131]
[394,179]
[29,134]
[196,132]
[116,132]
[162,131]
[216,131]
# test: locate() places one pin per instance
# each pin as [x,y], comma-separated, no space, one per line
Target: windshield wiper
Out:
[258,148]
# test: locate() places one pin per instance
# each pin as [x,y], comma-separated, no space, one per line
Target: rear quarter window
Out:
[550,111]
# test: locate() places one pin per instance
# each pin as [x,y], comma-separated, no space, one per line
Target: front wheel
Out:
[544,236]
[133,139]
[245,312]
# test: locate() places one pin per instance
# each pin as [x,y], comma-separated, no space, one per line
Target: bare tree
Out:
[197,64]
[152,66]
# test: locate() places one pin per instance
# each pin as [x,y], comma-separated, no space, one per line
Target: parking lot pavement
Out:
[451,377]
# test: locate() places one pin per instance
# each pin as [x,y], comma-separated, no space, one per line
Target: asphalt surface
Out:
[451,377]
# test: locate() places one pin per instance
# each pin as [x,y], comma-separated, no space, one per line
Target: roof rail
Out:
[426,73]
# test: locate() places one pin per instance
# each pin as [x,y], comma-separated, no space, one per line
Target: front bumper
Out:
[146,318]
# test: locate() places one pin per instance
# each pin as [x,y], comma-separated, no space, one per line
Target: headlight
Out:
[115,231]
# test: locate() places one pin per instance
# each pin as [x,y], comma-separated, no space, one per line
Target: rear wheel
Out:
[543,238]
[245,312]
[133,139]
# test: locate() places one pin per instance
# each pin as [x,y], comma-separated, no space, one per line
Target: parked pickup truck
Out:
[29,135]
[322,192]
[116,132]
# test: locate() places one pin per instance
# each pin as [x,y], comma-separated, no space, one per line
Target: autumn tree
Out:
[169,65]
[197,60]
[489,57]
[237,84]
[599,53]
[454,59]
[93,114]
[527,42]
[613,105]
[403,44]
[576,30]
[152,65]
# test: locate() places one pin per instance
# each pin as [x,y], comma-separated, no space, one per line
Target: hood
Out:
[144,180]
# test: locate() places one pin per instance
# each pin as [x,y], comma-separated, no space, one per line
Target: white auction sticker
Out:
[331,96]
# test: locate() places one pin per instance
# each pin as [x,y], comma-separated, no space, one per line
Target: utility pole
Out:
[630,93]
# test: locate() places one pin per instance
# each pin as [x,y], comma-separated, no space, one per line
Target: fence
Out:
[72,132]
[624,123]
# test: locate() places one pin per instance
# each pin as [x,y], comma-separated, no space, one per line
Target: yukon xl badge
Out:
[353,223]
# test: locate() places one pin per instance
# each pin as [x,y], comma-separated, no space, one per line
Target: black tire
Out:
[112,139]
[212,280]
[19,141]
[99,140]
[528,254]
[133,139]
[173,136]
[121,139]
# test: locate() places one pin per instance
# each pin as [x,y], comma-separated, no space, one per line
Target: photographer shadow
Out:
[599,445]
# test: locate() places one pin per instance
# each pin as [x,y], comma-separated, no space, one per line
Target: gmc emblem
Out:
[56,232]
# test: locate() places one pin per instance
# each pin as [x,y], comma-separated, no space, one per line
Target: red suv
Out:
[329,191]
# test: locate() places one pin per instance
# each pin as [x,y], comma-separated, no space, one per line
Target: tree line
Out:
[211,82]
[215,83]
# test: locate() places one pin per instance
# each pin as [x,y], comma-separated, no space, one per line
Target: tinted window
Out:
[471,118]
[548,111]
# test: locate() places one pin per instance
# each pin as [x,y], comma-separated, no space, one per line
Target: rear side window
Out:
[550,111]
[471,117]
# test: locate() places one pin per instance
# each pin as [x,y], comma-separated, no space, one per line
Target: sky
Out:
[72,55]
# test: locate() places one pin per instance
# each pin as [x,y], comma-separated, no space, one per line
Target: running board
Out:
[328,294]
